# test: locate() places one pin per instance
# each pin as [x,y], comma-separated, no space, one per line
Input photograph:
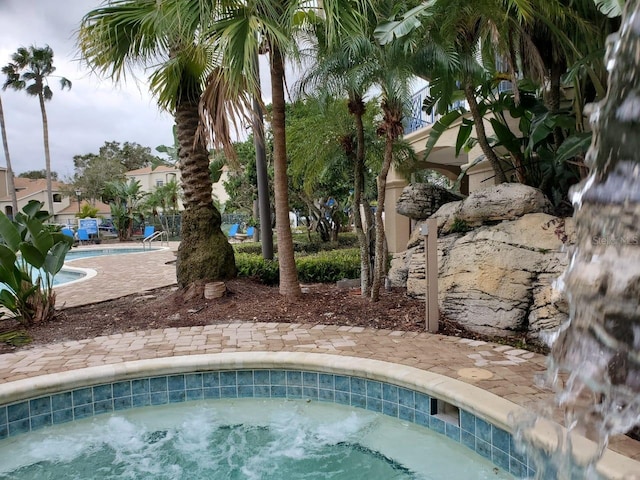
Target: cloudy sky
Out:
[80,119]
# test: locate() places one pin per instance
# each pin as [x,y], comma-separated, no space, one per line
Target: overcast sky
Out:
[80,119]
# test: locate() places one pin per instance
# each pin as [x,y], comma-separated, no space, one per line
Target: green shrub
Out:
[254,248]
[323,267]
[329,266]
[254,266]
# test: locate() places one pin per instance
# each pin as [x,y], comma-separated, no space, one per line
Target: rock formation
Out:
[496,279]
[419,201]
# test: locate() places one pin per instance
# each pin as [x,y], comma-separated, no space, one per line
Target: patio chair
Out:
[233,231]
[83,236]
[68,232]
[148,231]
[250,231]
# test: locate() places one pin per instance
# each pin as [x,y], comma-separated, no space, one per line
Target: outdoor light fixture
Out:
[78,193]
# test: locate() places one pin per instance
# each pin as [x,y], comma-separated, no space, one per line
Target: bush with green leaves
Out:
[31,254]
[254,266]
[329,266]
[323,267]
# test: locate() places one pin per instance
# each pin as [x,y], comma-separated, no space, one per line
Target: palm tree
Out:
[5,144]
[278,24]
[167,36]
[29,71]
[124,199]
[346,71]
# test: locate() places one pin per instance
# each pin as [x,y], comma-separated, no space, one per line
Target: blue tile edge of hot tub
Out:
[489,441]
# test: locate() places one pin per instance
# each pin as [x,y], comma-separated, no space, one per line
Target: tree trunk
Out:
[204,254]
[481,133]
[380,262]
[264,209]
[289,285]
[553,98]
[357,111]
[47,155]
[10,183]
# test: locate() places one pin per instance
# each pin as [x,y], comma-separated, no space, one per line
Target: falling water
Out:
[595,356]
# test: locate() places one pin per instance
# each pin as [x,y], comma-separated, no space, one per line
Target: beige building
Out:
[443,160]
[150,179]
[27,189]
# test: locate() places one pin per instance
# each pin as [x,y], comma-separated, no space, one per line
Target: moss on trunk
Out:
[204,254]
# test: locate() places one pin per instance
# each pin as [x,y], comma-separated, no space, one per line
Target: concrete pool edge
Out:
[485,405]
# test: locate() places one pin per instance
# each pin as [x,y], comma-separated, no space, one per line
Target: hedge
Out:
[322,267]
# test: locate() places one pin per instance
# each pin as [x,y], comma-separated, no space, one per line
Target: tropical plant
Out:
[163,203]
[29,70]
[124,199]
[87,211]
[10,182]
[30,257]
[170,37]
[346,71]
[278,25]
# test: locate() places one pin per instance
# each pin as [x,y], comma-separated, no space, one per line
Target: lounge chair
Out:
[148,231]
[83,236]
[250,231]
[68,232]
[233,231]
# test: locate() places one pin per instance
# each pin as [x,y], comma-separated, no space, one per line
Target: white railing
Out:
[162,235]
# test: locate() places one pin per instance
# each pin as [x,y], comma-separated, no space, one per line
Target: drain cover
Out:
[475,373]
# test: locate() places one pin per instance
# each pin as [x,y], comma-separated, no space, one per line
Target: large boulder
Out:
[421,200]
[496,279]
[506,201]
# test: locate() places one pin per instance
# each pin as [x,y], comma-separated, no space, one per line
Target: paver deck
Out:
[505,371]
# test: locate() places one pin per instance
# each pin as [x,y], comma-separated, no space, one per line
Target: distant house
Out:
[150,179]
[27,189]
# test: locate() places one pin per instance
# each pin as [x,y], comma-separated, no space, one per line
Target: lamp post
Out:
[78,193]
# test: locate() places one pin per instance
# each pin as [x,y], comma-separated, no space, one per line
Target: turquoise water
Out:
[66,276]
[241,439]
[75,254]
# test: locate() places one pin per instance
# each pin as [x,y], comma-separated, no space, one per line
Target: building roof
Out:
[72,209]
[26,187]
[148,170]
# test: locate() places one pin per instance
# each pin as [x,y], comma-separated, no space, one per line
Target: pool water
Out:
[75,254]
[241,439]
[66,276]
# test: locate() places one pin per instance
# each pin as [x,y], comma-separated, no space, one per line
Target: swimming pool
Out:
[100,252]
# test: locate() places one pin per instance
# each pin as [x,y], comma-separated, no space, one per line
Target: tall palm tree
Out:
[278,25]
[5,144]
[346,71]
[167,37]
[29,70]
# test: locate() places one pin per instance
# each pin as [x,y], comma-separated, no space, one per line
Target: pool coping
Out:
[490,407]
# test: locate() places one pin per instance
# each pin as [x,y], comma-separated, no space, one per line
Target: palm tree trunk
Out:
[482,134]
[10,183]
[47,155]
[204,254]
[358,190]
[289,285]
[380,262]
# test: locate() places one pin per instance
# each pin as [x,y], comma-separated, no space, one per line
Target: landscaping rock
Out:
[506,201]
[419,201]
[496,279]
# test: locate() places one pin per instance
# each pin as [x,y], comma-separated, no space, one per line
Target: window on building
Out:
[57,198]
[159,183]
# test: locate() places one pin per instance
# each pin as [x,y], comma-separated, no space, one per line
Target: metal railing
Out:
[146,242]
